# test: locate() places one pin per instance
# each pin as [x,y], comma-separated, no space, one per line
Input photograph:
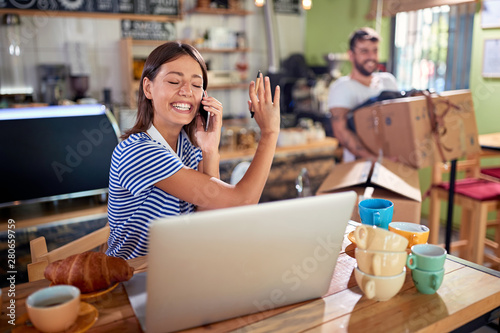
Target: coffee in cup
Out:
[377,212]
[54,309]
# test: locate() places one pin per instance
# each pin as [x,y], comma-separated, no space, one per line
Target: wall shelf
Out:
[227,86]
[237,50]
[131,86]
[219,11]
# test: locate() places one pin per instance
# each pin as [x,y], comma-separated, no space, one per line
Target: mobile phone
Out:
[205,116]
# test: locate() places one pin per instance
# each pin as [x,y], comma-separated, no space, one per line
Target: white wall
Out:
[45,37]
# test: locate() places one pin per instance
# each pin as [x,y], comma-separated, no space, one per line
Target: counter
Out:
[317,157]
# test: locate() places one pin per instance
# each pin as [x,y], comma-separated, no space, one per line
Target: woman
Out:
[168,164]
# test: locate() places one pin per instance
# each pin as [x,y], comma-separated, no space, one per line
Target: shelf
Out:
[205,50]
[228,86]
[243,85]
[219,11]
[147,42]
[154,43]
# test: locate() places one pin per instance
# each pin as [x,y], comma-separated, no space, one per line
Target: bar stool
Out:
[477,197]
[492,173]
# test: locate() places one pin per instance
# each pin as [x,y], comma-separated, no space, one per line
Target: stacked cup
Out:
[381,258]
[426,262]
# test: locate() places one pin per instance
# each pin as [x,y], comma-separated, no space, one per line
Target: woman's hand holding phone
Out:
[208,131]
[205,115]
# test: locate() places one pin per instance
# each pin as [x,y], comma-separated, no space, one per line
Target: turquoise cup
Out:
[427,282]
[377,212]
[426,257]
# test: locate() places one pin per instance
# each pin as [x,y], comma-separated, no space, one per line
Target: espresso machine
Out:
[53,83]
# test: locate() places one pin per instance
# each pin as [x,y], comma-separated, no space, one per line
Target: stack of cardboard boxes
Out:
[416,131]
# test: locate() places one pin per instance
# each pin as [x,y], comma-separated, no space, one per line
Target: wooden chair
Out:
[491,172]
[477,197]
[40,257]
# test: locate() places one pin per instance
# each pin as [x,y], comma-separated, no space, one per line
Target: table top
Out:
[467,292]
[490,141]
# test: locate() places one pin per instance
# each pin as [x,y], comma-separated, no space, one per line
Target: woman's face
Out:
[176,92]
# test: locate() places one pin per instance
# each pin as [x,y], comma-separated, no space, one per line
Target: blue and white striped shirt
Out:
[137,164]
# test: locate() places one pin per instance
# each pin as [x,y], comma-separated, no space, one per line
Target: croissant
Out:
[89,271]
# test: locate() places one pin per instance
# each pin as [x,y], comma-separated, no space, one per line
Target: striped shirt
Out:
[137,164]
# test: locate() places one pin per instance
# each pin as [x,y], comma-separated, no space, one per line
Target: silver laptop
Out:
[220,264]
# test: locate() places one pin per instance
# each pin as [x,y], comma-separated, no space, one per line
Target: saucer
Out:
[94,293]
[98,292]
[350,236]
[86,318]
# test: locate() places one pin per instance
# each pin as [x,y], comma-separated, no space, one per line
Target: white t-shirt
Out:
[349,93]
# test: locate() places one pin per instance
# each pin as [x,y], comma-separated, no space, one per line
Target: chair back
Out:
[468,168]
[40,257]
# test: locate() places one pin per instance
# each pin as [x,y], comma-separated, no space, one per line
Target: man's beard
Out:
[361,69]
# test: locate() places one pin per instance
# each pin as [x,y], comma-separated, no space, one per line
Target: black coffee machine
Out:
[53,83]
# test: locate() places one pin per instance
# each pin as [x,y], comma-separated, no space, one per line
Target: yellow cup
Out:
[415,233]
[54,309]
[381,263]
[379,288]
[378,239]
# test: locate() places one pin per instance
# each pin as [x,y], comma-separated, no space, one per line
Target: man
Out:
[350,91]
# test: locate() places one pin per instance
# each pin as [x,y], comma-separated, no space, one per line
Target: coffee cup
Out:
[54,309]
[377,212]
[414,232]
[381,263]
[379,288]
[426,257]
[427,282]
[378,239]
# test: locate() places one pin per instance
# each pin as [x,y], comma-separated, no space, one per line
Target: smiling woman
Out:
[168,163]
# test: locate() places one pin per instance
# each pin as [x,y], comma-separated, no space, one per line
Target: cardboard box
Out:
[403,128]
[393,181]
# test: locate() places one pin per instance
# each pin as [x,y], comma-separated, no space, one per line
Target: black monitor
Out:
[55,152]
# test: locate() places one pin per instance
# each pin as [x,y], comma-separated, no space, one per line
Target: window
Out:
[432,47]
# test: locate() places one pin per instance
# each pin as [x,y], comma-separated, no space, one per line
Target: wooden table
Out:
[490,141]
[468,292]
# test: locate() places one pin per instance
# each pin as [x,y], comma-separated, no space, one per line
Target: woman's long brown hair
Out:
[164,53]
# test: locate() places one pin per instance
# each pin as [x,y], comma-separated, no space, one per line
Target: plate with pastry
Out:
[94,273]
[87,316]
[93,293]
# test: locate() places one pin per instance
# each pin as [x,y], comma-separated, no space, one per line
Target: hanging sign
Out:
[287,6]
[148,30]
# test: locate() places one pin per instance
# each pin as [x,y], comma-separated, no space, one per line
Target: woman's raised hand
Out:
[266,110]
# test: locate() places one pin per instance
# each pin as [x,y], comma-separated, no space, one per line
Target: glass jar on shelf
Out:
[242,68]
[227,140]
